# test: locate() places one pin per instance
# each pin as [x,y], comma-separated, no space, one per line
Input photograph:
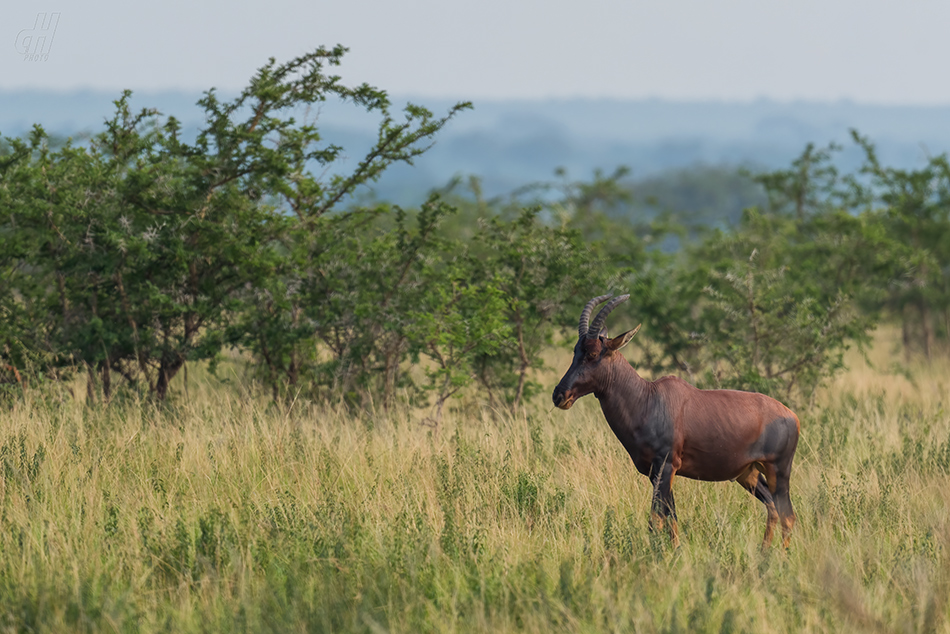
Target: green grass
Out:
[220,513]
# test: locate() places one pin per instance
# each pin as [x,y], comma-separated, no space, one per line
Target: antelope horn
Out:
[601,317]
[585,314]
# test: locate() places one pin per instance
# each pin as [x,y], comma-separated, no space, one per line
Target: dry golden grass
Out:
[223,513]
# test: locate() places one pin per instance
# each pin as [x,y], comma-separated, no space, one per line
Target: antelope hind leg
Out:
[754,482]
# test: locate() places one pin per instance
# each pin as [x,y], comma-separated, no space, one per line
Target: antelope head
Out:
[594,353]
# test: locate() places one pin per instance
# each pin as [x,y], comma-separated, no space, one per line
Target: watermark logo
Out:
[34,44]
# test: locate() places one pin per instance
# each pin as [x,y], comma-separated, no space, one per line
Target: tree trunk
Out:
[90,385]
[169,367]
[105,376]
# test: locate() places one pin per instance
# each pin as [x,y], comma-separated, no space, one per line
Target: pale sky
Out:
[868,51]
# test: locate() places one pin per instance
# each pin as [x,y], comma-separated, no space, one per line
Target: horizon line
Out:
[706,101]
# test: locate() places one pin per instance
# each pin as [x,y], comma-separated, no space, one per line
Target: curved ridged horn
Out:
[601,317]
[585,314]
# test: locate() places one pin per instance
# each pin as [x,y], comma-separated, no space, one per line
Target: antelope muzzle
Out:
[562,398]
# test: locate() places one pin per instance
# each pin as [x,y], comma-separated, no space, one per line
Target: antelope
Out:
[671,428]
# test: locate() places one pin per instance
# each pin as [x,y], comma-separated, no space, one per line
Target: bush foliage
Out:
[129,256]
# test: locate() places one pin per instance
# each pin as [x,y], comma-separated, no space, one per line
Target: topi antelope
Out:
[671,428]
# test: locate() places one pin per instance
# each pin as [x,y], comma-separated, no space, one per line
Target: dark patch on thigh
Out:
[777,437]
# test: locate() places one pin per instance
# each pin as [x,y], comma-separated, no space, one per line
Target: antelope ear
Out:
[620,341]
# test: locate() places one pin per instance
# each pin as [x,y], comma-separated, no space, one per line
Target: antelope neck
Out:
[622,390]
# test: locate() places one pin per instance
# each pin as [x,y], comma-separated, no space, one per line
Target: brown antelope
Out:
[671,428]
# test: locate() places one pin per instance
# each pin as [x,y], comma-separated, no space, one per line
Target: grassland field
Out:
[220,512]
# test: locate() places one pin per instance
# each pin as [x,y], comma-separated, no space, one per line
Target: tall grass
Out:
[223,513]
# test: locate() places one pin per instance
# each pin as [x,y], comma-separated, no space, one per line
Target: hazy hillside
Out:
[510,143]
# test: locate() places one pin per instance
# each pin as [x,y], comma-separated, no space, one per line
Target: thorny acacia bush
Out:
[128,257]
[142,250]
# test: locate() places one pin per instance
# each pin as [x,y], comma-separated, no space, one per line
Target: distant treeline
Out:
[512,142]
[127,256]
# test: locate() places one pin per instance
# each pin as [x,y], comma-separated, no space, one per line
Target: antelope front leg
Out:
[663,509]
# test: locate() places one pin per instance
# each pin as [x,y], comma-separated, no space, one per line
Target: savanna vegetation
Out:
[222,512]
[235,399]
